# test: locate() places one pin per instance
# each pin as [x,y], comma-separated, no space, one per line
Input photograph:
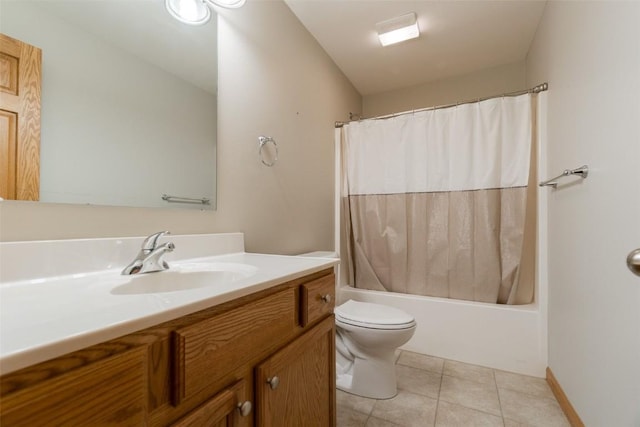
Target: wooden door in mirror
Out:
[20,82]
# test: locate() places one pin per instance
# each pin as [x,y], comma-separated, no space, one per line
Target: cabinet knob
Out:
[326,298]
[273,382]
[244,408]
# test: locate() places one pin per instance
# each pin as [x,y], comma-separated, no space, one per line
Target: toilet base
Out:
[375,377]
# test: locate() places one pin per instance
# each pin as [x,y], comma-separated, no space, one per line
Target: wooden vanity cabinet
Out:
[197,370]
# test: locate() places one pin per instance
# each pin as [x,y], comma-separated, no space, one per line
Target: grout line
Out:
[435,417]
[495,381]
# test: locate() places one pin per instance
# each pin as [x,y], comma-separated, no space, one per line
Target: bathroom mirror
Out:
[128,101]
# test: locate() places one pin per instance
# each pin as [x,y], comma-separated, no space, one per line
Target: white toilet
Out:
[367,337]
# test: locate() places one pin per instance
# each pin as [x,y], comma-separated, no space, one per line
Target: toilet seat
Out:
[373,316]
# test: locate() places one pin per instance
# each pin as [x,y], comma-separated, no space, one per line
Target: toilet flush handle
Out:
[326,298]
[273,382]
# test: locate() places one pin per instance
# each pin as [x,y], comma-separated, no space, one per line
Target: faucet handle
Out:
[151,242]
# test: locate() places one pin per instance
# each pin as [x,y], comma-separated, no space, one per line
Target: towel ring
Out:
[264,140]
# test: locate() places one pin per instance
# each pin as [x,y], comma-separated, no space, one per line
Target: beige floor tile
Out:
[472,394]
[421,361]
[349,418]
[511,423]
[531,410]
[407,409]
[524,384]
[354,403]
[452,415]
[378,422]
[468,372]
[418,381]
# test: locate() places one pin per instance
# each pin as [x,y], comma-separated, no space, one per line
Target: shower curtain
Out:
[436,202]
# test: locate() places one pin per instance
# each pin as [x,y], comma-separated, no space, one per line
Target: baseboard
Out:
[563,400]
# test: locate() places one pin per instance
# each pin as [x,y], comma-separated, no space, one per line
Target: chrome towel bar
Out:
[178,199]
[582,171]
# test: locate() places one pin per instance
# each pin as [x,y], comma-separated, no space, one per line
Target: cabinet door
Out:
[222,410]
[296,386]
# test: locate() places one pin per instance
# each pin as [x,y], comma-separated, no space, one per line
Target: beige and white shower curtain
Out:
[435,202]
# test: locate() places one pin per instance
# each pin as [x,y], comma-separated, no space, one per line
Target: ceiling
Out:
[457,37]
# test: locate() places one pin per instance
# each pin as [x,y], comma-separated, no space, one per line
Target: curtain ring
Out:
[264,140]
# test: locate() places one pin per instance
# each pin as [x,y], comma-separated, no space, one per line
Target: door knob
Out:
[326,298]
[244,408]
[273,382]
[633,261]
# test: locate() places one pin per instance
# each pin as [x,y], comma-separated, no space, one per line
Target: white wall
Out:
[589,52]
[274,79]
[481,83]
[116,130]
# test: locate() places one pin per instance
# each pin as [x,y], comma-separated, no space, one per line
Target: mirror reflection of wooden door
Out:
[20,77]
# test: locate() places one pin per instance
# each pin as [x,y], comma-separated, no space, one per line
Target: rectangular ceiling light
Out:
[398,29]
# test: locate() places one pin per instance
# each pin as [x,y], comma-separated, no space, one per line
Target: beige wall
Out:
[482,83]
[589,52]
[274,80]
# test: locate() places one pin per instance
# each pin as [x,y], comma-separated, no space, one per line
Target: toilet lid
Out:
[371,315]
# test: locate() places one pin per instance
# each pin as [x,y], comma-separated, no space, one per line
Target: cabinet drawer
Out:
[317,299]
[108,392]
[207,351]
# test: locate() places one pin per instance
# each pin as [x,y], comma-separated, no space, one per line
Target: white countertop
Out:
[42,319]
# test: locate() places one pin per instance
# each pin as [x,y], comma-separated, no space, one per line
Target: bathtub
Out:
[511,338]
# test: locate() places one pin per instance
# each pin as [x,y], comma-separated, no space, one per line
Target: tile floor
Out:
[439,392]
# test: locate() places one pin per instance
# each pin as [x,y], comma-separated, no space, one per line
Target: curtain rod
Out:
[536,89]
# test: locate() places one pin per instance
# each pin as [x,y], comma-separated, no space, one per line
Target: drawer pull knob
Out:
[326,298]
[244,408]
[273,382]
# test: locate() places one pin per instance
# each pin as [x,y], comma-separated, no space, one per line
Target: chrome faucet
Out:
[149,258]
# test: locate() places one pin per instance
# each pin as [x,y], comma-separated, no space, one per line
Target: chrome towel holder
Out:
[582,172]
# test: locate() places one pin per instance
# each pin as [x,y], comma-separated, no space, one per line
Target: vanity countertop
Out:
[42,319]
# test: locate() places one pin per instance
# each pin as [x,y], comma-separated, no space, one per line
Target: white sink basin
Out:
[184,277]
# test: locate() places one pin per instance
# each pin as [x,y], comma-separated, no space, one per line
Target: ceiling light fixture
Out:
[398,29]
[196,12]
[192,12]
[229,4]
